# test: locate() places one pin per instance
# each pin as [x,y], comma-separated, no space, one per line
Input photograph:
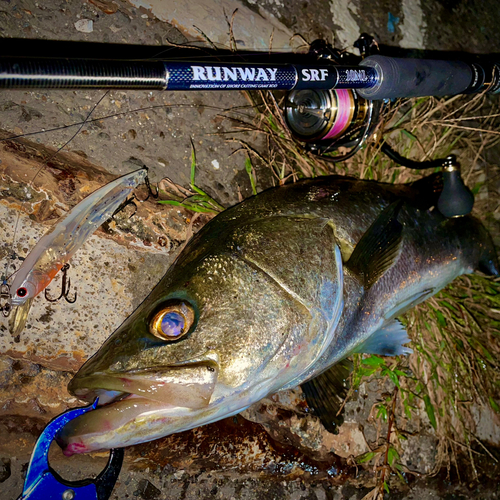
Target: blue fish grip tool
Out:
[43,483]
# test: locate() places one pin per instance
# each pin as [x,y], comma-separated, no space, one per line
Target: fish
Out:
[271,294]
[60,243]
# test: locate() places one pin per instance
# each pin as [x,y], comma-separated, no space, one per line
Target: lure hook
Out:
[150,189]
[129,201]
[66,285]
[148,185]
[5,294]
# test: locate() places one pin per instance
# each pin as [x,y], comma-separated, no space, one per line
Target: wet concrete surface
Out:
[117,267]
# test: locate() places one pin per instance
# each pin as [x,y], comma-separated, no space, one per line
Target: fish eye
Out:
[172,321]
[21,292]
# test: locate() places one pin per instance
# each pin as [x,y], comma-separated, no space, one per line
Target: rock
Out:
[147,491]
[419,455]
[85,25]
[287,422]
[4,469]
[32,390]
[487,424]
[5,371]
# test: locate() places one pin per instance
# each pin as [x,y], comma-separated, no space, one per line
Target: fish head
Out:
[242,312]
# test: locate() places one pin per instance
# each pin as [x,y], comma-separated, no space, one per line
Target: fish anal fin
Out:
[326,393]
[386,341]
[379,247]
[401,307]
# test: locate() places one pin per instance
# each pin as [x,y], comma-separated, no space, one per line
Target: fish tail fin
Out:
[487,260]
[478,245]
[424,193]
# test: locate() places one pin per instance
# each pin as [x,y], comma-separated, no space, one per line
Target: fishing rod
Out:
[333,98]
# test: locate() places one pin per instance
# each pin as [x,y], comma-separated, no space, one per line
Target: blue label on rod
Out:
[214,76]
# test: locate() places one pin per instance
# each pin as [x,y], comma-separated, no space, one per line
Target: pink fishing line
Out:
[343,114]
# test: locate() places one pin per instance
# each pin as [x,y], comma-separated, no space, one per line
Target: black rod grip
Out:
[416,77]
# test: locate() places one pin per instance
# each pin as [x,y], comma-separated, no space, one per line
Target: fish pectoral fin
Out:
[386,341]
[379,247]
[325,394]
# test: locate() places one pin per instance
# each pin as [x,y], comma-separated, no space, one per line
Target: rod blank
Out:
[25,73]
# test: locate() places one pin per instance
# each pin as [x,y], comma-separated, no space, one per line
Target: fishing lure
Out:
[56,248]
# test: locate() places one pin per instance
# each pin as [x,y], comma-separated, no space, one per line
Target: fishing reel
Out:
[325,120]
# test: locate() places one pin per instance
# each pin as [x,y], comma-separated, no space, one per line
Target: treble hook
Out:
[5,294]
[128,201]
[150,190]
[66,285]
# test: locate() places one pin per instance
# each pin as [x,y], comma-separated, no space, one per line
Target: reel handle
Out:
[456,199]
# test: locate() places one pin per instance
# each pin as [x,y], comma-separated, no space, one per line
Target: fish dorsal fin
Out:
[379,247]
[386,341]
[325,394]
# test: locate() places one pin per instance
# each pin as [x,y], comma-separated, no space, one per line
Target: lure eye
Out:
[172,321]
[21,292]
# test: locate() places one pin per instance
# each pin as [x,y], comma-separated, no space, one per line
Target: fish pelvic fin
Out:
[325,394]
[379,247]
[386,341]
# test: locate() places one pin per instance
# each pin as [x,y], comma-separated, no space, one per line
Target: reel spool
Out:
[322,118]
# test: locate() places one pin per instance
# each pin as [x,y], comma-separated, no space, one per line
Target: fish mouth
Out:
[133,396]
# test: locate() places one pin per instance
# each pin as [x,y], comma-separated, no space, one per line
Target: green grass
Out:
[198,201]
[455,365]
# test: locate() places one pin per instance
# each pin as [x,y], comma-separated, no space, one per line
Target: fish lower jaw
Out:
[126,419]
[108,426]
[110,398]
[126,422]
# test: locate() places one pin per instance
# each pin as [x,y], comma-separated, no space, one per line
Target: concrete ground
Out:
[118,266]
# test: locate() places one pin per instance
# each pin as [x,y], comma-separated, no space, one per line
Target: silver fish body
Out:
[278,294]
